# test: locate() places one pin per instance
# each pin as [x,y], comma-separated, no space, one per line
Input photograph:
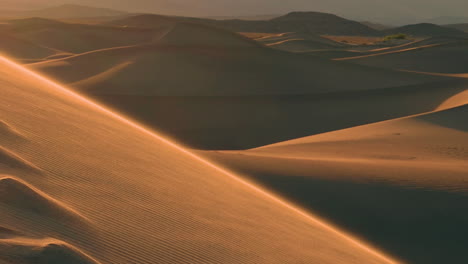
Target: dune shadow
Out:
[418,225]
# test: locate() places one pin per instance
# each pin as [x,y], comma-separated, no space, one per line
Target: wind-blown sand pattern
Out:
[125,195]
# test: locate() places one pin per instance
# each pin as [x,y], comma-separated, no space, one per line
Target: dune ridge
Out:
[407,174]
[101,155]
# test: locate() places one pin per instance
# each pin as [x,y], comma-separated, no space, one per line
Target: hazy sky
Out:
[358,9]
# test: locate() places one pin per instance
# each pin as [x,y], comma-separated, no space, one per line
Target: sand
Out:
[71,38]
[211,81]
[211,90]
[111,191]
[437,55]
[406,178]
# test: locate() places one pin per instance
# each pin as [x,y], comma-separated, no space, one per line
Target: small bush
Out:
[396,36]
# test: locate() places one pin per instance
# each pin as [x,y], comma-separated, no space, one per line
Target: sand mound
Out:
[442,130]
[221,87]
[210,106]
[408,175]
[20,196]
[76,38]
[443,56]
[22,49]
[156,70]
[149,200]
[45,251]
[295,42]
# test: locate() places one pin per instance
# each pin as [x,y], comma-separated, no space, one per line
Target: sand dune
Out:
[41,251]
[212,84]
[147,200]
[408,175]
[20,196]
[76,38]
[295,42]
[72,11]
[426,30]
[153,70]
[23,49]
[438,55]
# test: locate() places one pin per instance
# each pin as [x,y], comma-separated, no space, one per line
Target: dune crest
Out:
[407,174]
[146,197]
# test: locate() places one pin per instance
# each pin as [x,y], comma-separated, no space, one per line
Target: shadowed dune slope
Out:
[76,38]
[240,122]
[408,175]
[440,55]
[36,251]
[145,199]
[22,49]
[426,30]
[71,11]
[217,63]
[297,42]
[211,87]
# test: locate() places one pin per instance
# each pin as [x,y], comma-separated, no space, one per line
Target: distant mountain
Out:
[319,23]
[69,11]
[376,26]
[427,30]
[253,17]
[299,22]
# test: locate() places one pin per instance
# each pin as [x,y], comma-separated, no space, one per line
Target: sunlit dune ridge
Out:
[110,191]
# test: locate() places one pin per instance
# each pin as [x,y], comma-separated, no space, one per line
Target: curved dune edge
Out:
[22,196]
[7,131]
[373,256]
[398,174]
[11,160]
[435,140]
[41,251]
